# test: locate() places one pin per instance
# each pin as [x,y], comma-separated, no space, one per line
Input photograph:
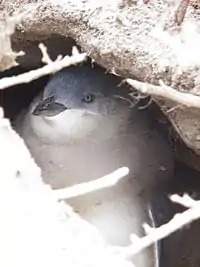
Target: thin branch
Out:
[185,200]
[45,57]
[166,92]
[84,188]
[155,234]
[51,67]
[181,11]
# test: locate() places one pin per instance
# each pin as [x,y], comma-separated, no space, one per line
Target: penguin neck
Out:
[76,129]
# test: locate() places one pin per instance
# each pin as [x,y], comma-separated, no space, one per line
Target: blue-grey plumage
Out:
[83,126]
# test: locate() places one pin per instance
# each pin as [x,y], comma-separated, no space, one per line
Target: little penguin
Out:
[84,125]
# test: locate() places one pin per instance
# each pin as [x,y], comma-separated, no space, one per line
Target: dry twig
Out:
[51,67]
[155,234]
[45,57]
[84,188]
[166,92]
[181,11]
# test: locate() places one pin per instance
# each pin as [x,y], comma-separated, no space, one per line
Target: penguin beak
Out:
[48,108]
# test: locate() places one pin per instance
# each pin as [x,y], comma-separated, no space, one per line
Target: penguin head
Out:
[79,100]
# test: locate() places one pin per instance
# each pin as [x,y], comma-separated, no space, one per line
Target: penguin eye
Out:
[88,98]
